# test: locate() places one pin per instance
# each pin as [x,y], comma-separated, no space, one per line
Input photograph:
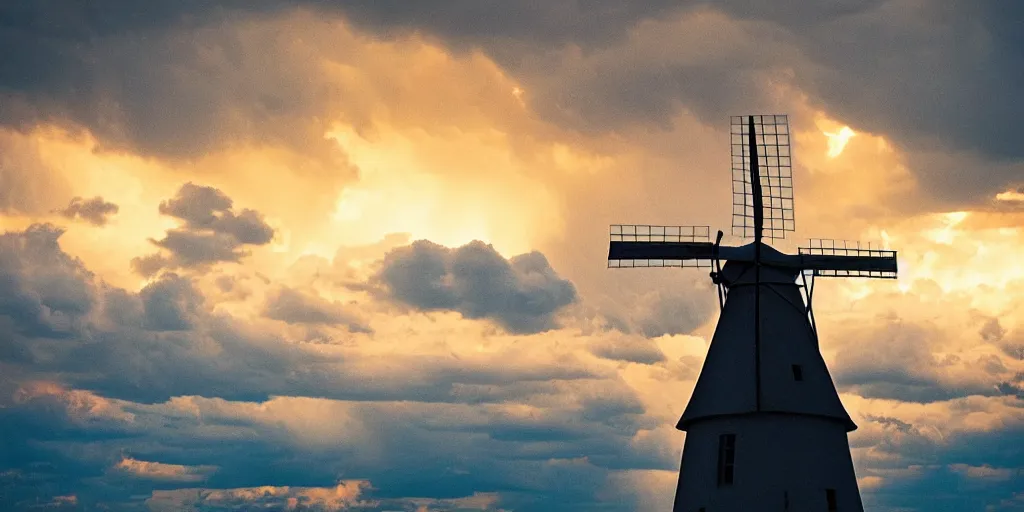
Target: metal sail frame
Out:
[689,246]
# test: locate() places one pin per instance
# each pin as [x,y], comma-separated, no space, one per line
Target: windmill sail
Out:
[775,173]
[638,246]
[841,258]
[765,426]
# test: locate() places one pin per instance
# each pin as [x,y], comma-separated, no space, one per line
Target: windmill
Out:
[765,428]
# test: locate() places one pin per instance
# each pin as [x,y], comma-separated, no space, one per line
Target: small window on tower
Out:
[798,373]
[830,495]
[726,458]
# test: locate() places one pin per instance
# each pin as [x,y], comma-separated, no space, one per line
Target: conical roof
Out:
[793,375]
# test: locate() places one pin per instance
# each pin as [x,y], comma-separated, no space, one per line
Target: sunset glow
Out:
[837,141]
[1015,196]
[352,256]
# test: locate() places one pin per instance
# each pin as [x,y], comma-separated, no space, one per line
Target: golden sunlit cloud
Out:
[518,93]
[449,189]
[1014,196]
[947,233]
[837,141]
[161,471]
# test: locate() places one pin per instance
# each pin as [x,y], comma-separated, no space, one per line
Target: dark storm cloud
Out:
[171,304]
[191,249]
[171,79]
[949,69]
[43,291]
[211,233]
[941,79]
[938,78]
[174,79]
[522,294]
[95,211]
[196,205]
[295,307]
[207,208]
[487,23]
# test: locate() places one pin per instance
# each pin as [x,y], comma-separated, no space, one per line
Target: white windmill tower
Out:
[765,429]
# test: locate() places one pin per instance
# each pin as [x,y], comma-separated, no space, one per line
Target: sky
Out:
[350,256]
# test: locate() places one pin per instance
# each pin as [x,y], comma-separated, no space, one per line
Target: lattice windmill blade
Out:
[774,159]
[825,257]
[642,246]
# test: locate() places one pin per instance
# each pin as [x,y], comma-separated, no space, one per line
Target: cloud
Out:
[645,64]
[165,472]
[1013,386]
[1013,346]
[522,294]
[157,81]
[157,73]
[943,487]
[29,184]
[345,496]
[191,249]
[983,472]
[543,24]
[211,232]
[915,452]
[626,348]
[455,445]
[583,111]
[79,407]
[668,312]
[166,340]
[902,364]
[126,343]
[206,208]
[95,211]
[992,331]
[44,291]
[294,307]
[171,304]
